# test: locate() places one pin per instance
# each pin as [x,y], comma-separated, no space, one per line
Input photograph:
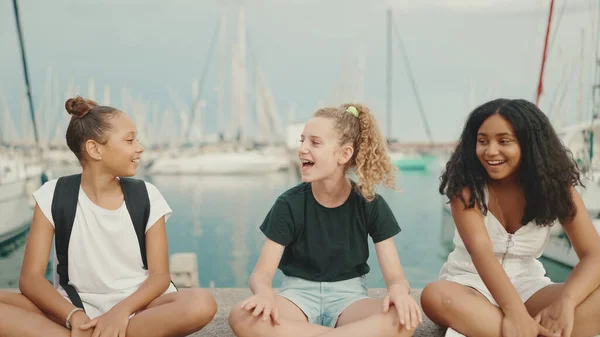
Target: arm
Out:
[398,289]
[32,282]
[479,245]
[262,276]
[585,277]
[158,269]
[389,261]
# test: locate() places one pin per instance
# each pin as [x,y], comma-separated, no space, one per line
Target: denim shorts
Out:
[323,302]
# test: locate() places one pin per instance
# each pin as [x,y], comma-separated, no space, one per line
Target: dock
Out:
[227,297]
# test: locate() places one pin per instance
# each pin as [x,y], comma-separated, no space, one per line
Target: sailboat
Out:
[20,172]
[242,156]
[411,160]
[580,140]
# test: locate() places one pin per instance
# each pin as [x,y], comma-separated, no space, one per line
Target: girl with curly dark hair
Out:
[508,181]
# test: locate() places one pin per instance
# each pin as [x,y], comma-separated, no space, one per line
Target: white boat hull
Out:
[221,163]
[560,250]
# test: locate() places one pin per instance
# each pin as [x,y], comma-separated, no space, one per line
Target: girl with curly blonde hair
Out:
[317,234]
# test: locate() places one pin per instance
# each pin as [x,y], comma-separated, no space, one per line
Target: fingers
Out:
[400,310]
[275,315]
[89,324]
[249,305]
[546,332]
[414,316]
[407,316]
[266,314]
[386,303]
[258,309]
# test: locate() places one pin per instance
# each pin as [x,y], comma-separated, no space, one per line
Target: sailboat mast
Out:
[389,76]
[25,72]
[540,85]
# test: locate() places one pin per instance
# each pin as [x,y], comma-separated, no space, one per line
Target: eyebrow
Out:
[310,136]
[502,134]
[130,133]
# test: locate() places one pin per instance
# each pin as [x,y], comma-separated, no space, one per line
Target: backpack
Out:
[64,206]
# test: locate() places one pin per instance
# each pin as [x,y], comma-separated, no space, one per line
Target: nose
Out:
[492,149]
[302,148]
[140,148]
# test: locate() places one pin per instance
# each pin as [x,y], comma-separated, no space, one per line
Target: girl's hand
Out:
[264,304]
[408,310]
[77,320]
[520,324]
[558,317]
[111,324]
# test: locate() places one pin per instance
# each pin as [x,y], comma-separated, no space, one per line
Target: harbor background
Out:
[220,90]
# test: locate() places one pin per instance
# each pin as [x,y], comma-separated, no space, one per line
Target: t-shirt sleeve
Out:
[278,225]
[158,206]
[383,222]
[43,197]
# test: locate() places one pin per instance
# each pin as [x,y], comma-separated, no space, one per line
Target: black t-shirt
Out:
[327,244]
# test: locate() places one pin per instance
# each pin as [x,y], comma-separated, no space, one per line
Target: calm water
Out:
[218,218]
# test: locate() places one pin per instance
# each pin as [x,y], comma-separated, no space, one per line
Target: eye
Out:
[301,140]
[481,141]
[315,143]
[130,140]
[505,141]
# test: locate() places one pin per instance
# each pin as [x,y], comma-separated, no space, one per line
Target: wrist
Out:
[512,309]
[122,310]
[401,287]
[567,299]
[78,318]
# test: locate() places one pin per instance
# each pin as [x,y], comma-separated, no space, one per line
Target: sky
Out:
[311,52]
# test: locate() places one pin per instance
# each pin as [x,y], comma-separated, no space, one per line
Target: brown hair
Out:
[370,160]
[89,121]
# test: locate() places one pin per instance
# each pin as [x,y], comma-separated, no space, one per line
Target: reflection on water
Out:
[217,217]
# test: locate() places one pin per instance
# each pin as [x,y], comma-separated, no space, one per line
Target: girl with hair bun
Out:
[112,277]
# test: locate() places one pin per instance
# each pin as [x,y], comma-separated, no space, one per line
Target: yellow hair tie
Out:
[353,111]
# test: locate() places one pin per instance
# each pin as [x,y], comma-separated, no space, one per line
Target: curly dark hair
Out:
[547,170]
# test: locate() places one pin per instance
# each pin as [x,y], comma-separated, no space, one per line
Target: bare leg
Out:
[20,317]
[464,309]
[587,314]
[366,318]
[293,322]
[175,314]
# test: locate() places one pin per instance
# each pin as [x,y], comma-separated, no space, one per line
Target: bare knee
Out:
[239,319]
[391,325]
[200,306]
[437,301]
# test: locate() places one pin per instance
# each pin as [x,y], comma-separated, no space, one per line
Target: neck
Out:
[508,183]
[333,191]
[96,183]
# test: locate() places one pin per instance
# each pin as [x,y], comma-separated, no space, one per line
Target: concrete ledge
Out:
[227,297]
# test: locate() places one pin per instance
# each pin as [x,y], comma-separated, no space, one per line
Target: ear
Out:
[346,152]
[94,149]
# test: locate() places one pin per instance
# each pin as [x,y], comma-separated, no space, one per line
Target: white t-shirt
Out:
[105,263]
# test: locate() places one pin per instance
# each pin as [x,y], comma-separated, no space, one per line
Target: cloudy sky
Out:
[312,52]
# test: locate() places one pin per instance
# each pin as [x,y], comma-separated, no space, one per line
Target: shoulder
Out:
[46,191]
[152,190]
[295,193]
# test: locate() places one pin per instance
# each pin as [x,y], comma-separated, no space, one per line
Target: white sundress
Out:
[518,254]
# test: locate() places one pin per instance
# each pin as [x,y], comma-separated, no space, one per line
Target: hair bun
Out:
[79,106]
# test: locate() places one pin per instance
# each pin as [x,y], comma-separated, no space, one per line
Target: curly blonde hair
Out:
[370,160]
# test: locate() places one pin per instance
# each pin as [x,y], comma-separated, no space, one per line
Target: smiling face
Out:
[120,155]
[497,148]
[320,152]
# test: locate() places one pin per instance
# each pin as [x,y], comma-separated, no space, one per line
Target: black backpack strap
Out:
[138,206]
[64,206]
